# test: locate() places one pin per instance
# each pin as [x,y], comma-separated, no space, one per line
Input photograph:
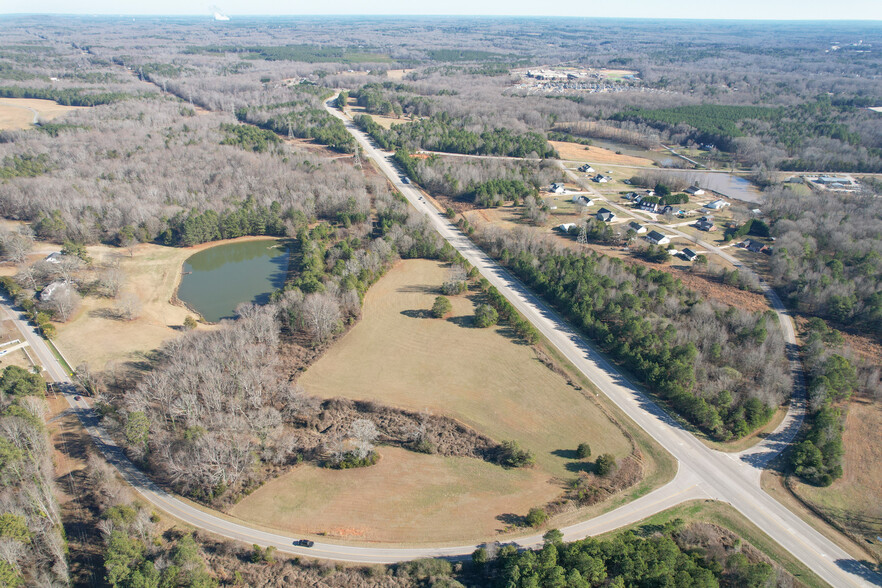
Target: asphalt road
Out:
[731,478]
[702,473]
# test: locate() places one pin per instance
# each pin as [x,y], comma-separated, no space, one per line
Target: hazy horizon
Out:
[748,10]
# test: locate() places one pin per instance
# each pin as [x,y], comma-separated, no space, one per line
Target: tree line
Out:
[827,258]
[443,133]
[831,380]
[31,534]
[720,368]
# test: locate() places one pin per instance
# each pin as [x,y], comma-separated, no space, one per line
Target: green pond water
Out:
[218,279]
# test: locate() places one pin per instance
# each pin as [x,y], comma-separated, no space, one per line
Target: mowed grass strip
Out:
[482,377]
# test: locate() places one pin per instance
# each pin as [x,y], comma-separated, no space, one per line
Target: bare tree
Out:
[364,432]
[27,276]
[321,315]
[16,246]
[128,306]
[67,267]
[112,278]
[64,301]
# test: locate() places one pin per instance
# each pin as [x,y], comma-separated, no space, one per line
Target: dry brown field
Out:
[596,155]
[18,113]
[480,377]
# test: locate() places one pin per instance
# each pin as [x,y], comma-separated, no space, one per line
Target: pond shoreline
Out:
[220,275]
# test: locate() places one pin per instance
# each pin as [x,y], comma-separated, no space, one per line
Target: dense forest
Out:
[206,179]
[673,556]
[828,256]
[31,533]
[720,368]
[443,133]
[303,117]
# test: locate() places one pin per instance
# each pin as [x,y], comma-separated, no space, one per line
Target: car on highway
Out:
[405,179]
[304,543]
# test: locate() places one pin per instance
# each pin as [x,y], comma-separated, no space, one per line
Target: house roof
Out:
[656,236]
[689,253]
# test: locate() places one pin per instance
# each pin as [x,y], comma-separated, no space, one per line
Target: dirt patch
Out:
[19,113]
[599,155]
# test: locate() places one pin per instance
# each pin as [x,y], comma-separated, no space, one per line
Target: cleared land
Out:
[18,113]
[383,121]
[479,376]
[592,154]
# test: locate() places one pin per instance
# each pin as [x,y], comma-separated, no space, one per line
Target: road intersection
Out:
[703,473]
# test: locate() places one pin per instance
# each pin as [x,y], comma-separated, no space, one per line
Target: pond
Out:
[218,279]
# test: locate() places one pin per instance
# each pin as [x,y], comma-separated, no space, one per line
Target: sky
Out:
[705,9]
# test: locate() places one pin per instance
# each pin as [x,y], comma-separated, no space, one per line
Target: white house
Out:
[54,257]
[717,204]
[565,228]
[557,188]
[582,200]
[53,288]
[658,238]
[694,191]
[688,254]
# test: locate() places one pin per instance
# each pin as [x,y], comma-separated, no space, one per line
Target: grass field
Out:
[480,377]
[597,155]
[855,500]
[153,273]
[18,113]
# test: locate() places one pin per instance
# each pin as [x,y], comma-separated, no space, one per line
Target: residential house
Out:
[601,179]
[605,215]
[688,254]
[694,191]
[557,188]
[637,227]
[54,257]
[658,238]
[586,169]
[648,206]
[754,245]
[705,223]
[717,204]
[52,289]
[582,200]
[565,228]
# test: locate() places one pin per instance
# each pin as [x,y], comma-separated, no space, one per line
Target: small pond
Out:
[218,279]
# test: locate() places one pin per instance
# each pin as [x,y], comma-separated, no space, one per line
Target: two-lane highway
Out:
[703,473]
[721,476]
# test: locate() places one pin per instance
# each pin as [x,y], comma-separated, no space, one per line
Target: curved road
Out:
[703,473]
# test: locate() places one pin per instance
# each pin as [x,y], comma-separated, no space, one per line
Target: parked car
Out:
[77,398]
[304,543]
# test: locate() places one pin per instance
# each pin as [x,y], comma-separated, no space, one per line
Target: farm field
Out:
[18,113]
[481,377]
[593,154]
